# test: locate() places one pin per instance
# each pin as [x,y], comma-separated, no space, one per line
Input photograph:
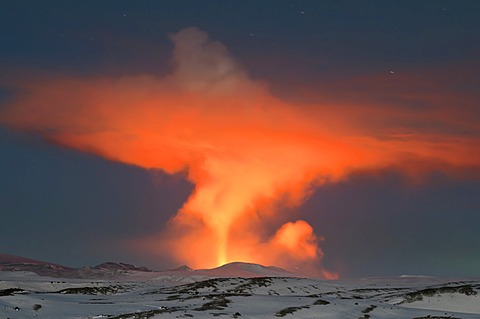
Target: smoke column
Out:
[247,152]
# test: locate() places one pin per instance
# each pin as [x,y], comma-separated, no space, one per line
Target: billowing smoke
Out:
[248,153]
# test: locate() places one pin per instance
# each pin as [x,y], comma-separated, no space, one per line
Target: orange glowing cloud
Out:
[246,151]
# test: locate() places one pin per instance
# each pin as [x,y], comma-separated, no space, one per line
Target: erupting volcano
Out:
[248,153]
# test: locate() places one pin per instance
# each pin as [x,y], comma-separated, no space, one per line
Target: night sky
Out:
[401,71]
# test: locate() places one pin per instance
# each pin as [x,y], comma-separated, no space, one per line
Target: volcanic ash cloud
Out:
[247,152]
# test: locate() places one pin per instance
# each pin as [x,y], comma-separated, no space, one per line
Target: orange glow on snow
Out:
[246,151]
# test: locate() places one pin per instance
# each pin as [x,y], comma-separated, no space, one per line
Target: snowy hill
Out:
[259,297]
[247,270]
[123,291]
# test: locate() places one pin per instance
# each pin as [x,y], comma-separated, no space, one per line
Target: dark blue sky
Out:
[73,208]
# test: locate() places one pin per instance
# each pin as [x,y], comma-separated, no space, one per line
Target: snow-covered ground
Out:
[188,294]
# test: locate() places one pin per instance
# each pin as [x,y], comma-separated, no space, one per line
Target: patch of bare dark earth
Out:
[144,314]
[321,302]
[219,302]
[11,292]
[289,311]
[431,292]
[105,290]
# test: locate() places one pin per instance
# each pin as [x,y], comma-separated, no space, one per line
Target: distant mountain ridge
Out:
[16,263]
[109,270]
[42,268]
[121,266]
[6,259]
